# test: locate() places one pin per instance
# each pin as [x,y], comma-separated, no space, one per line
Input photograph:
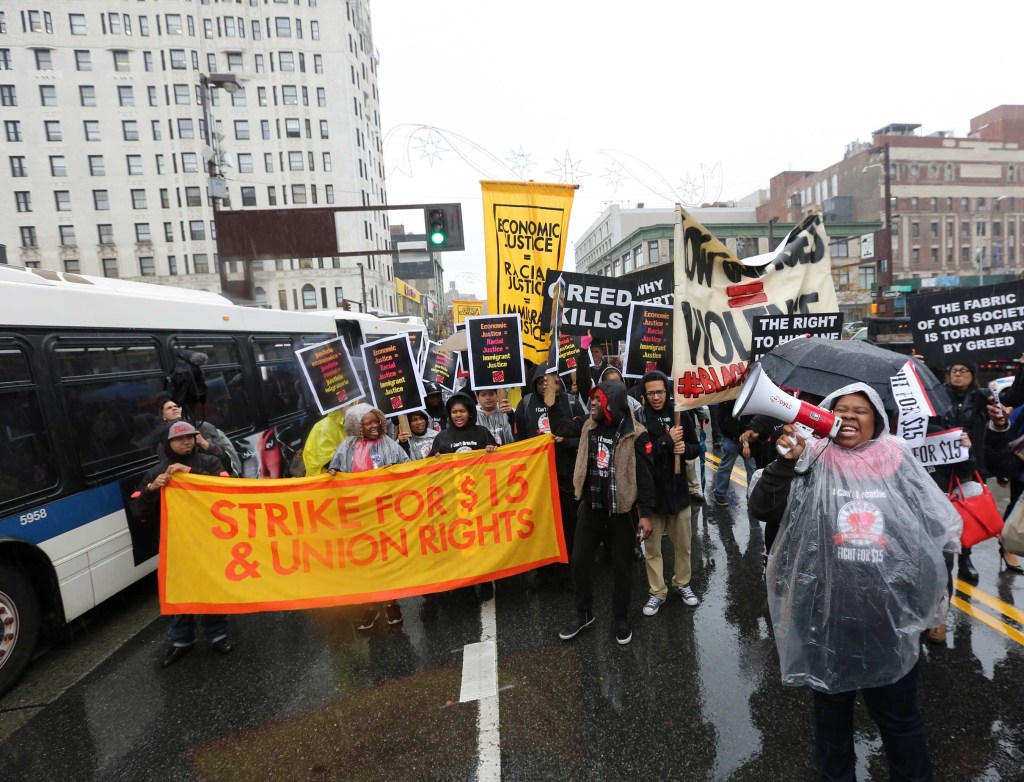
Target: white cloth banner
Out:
[717,296]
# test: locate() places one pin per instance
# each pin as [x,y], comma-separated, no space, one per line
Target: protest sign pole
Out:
[403,424]
[679,459]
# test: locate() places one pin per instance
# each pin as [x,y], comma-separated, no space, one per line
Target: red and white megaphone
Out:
[760,396]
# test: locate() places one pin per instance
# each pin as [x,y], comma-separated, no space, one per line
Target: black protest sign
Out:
[418,340]
[652,285]
[571,354]
[329,372]
[391,370]
[969,324]
[439,367]
[495,351]
[648,340]
[770,331]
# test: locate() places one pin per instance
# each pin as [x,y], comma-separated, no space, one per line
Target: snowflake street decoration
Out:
[615,176]
[431,147]
[568,171]
[520,162]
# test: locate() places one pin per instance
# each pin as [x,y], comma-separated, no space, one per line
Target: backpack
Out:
[185,384]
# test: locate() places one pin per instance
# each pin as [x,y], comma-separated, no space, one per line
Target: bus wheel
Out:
[19,624]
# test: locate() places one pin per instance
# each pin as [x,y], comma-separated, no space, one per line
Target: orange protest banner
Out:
[232,546]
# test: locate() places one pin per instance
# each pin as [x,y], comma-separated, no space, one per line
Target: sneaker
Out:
[175,653]
[623,634]
[369,619]
[687,595]
[222,646]
[578,623]
[721,502]
[393,613]
[653,605]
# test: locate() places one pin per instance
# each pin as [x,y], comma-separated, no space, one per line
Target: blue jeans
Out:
[730,452]
[182,631]
[893,707]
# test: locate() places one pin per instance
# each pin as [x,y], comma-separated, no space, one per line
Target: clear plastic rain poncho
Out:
[857,571]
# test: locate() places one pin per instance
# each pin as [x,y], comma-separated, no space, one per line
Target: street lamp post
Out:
[771,232]
[883,277]
[217,187]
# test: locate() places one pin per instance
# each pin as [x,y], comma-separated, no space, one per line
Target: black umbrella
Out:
[820,366]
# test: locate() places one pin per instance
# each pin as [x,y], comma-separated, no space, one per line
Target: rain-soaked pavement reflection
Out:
[696,696]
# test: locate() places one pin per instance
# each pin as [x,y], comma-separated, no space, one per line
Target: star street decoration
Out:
[520,162]
[431,147]
[691,189]
[615,176]
[568,171]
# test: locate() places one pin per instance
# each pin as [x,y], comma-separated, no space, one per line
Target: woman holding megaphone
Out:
[855,575]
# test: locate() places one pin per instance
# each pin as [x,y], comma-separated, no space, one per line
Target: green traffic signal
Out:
[437,230]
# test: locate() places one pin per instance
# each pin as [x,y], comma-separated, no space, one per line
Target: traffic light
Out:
[443,224]
[437,230]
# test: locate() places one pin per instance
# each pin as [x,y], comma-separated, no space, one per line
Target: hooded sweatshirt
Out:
[418,445]
[197,462]
[533,418]
[357,454]
[455,439]
[857,571]
[672,488]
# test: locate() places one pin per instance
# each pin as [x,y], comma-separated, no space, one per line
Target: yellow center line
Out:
[987,619]
[740,477]
[985,598]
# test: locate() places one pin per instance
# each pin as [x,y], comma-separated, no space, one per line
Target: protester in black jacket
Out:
[180,454]
[673,443]
[463,433]
[611,476]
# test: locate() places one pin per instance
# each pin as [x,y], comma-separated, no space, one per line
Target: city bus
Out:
[83,362]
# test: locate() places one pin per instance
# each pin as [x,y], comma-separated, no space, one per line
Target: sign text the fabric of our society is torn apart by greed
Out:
[238,546]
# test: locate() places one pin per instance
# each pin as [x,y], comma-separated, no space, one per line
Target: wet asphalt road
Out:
[695,696]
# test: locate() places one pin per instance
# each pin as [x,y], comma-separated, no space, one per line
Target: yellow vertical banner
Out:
[465,308]
[525,234]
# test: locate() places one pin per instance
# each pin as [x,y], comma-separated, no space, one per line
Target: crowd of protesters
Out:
[631,471]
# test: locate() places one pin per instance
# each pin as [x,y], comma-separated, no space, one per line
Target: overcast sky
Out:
[661,101]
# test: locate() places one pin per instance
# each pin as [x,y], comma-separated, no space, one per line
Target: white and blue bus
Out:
[83,362]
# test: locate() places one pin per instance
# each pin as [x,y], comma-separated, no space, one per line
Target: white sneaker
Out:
[689,598]
[653,605]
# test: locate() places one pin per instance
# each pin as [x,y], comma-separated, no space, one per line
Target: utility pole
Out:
[362,285]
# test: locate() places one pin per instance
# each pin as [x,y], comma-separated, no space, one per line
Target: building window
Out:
[83,60]
[915,255]
[866,276]
[172,265]
[323,129]
[130,130]
[77,23]
[67,236]
[965,255]
[110,267]
[121,62]
[106,233]
[58,166]
[286,61]
[62,200]
[92,130]
[138,199]
[172,24]
[292,128]
[271,195]
[242,129]
[100,200]
[201,263]
[44,60]
[134,164]
[248,196]
[181,95]
[151,96]
[168,232]
[189,162]
[839,248]
[289,95]
[47,95]
[283,27]
[125,96]
[314,30]
[7,95]
[193,196]
[12,129]
[268,162]
[245,163]
[298,194]
[329,192]
[295,161]
[87,95]
[28,236]
[308,297]
[52,128]
[196,230]
[915,230]
[23,200]
[186,129]
[18,167]
[146,266]
[142,232]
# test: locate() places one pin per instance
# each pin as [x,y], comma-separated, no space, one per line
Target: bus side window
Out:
[227,401]
[111,391]
[27,465]
[280,378]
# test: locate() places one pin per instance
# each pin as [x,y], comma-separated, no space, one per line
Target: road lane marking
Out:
[739,477]
[480,683]
[985,598]
[988,619]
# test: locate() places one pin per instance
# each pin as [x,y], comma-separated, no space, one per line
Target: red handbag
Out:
[981,516]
